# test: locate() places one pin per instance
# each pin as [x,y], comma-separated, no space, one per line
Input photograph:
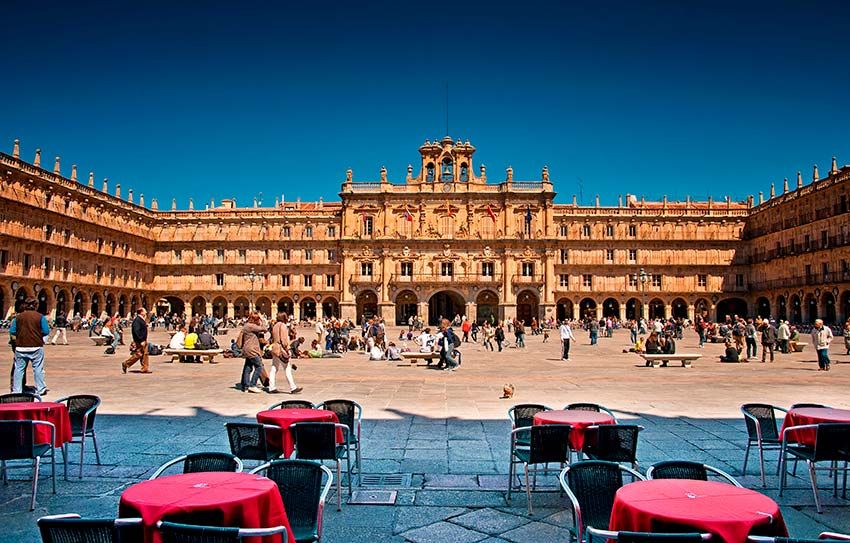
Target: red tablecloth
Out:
[55,413]
[286,418]
[237,499]
[812,415]
[673,505]
[578,420]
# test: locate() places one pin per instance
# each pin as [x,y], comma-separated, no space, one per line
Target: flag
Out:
[528,215]
[491,213]
[407,216]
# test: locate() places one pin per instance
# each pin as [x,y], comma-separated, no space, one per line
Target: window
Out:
[429,172]
[446,269]
[48,231]
[464,173]
[792,246]
[565,255]
[113,245]
[609,255]
[308,231]
[739,279]
[564,280]
[330,280]
[825,270]
[632,230]
[219,253]
[331,255]
[4,258]
[487,269]
[66,266]
[99,244]
[284,255]
[98,271]
[702,280]
[366,269]
[308,280]
[367,225]
[178,254]
[562,230]
[67,236]
[407,269]
[287,232]
[284,280]
[47,266]
[199,253]
[331,231]
[243,254]
[609,230]
[807,243]
[219,279]
[308,254]
[447,170]
[585,230]
[632,255]
[808,272]
[528,269]
[27,263]
[824,239]
[633,280]
[845,267]
[112,273]
[587,280]
[656,280]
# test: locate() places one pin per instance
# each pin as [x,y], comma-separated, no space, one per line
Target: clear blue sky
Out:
[201,99]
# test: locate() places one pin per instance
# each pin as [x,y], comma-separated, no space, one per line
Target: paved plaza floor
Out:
[447,430]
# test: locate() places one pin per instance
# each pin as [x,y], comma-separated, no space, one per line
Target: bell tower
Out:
[446,162]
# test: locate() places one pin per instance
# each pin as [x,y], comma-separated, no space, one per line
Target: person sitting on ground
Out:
[393,352]
[295,347]
[731,354]
[315,350]
[235,351]
[652,346]
[374,349]
[638,347]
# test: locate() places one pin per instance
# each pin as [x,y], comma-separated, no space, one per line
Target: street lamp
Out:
[253,277]
[642,278]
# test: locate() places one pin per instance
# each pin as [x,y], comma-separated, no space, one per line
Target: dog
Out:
[508,392]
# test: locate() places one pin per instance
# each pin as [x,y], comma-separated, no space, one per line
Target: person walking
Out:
[822,337]
[29,329]
[566,337]
[465,328]
[449,342]
[281,356]
[768,339]
[750,337]
[139,330]
[499,336]
[60,324]
[594,331]
[251,350]
[489,334]
[519,332]
[847,336]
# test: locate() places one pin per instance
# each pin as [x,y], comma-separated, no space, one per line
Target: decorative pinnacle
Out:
[16,149]
[799,180]
[106,184]
[91,179]
[785,186]
[37,161]
[56,168]
[73,172]
[834,168]
[815,175]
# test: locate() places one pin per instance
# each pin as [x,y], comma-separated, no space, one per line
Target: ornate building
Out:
[447,241]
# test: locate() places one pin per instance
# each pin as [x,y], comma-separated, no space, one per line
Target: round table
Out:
[216,498]
[812,415]
[55,413]
[285,418]
[577,419]
[728,512]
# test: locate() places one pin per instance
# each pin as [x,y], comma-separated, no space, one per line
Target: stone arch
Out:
[763,307]
[122,305]
[634,309]
[109,307]
[308,308]
[527,306]
[286,305]
[172,304]
[219,305]
[62,302]
[264,305]
[21,296]
[95,306]
[729,307]
[199,306]
[367,305]
[679,308]
[134,304]
[80,304]
[830,313]
[43,300]
[656,308]
[796,307]
[144,301]
[611,308]
[564,309]
[3,298]
[406,306]
[241,307]
[845,305]
[587,308]
[446,303]
[487,307]
[781,308]
[810,308]
[702,308]
[330,307]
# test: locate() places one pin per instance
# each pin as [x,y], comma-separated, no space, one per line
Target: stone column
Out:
[471,311]
[296,309]
[209,309]
[691,312]
[348,310]
[668,311]
[622,312]
[575,311]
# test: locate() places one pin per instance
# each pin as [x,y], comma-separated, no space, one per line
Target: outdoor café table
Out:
[728,512]
[286,418]
[812,415]
[240,500]
[578,420]
[54,413]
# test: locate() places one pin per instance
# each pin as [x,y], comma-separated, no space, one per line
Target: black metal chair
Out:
[612,442]
[318,441]
[834,536]
[71,528]
[203,461]
[82,410]
[303,494]
[18,397]
[248,441]
[586,406]
[18,442]
[522,415]
[645,537]
[293,404]
[350,413]
[804,405]
[685,469]
[831,445]
[172,532]
[591,486]
[762,431]
[547,443]
[824,536]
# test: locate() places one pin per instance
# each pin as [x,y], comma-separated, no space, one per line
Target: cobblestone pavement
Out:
[448,430]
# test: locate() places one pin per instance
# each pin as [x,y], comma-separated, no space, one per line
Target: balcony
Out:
[365,279]
[534,279]
[458,278]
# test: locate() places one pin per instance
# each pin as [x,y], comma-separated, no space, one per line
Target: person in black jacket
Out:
[140,342]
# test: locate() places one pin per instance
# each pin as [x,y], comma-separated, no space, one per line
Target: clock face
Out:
[447,187]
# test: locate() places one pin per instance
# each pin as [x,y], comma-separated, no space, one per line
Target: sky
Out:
[257,99]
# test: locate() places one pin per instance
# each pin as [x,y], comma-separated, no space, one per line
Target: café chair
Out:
[17,442]
[762,431]
[685,469]
[834,535]
[591,486]
[202,462]
[82,410]
[645,537]
[831,441]
[350,413]
[172,532]
[824,536]
[584,406]
[522,415]
[317,441]
[70,527]
[612,442]
[19,397]
[303,494]
[547,443]
[804,405]
[248,441]
[293,404]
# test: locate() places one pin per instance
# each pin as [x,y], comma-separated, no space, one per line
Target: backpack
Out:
[454,337]
[154,349]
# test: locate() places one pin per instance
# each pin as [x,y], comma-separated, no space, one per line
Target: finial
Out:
[276,201]
[91,179]
[728,202]
[56,168]
[141,200]
[815,175]
[106,185]
[16,149]
[688,201]
[545,173]
[73,172]
[212,203]
[37,161]
[298,203]
[321,202]
[785,186]
[619,200]
[130,196]
[834,168]
[349,175]
[174,204]
[597,200]
[118,190]
[750,200]
[799,180]
[575,202]
[772,190]
[255,201]
[191,204]
[154,204]
[510,173]
[761,197]
[383,174]
[664,202]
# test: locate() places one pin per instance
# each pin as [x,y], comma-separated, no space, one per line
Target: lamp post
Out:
[642,278]
[253,277]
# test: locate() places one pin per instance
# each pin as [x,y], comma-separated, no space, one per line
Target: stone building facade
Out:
[446,241]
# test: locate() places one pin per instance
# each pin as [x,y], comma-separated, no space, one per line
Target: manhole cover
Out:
[373,497]
[385,480]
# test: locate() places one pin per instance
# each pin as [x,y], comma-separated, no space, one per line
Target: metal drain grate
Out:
[373,497]
[385,480]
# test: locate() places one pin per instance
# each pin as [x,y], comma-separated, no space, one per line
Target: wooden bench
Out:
[208,354]
[656,360]
[413,357]
[100,341]
[800,346]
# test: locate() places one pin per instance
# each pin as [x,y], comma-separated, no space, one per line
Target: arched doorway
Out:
[731,307]
[763,307]
[680,308]
[285,305]
[367,305]
[564,310]
[20,297]
[199,306]
[781,308]
[656,308]
[633,309]
[95,305]
[2,302]
[144,302]
[829,313]
[308,308]
[174,305]
[406,306]
[587,309]
[43,300]
[62,303]
[134,304]
[219,307]
[110,304]
[330,307]
[445,304]
[702,308]
[264,306]
[845,305]
[611,308]
[79,304]
[487,304]
[527,306]
[122,306]
[241,307]
[796,310]
[810,304]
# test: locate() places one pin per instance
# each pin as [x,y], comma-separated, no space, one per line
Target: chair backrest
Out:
[293,404]
[211,461]
[65,530]
[16,439]
[523,414]
[314,440]
[834,536]
[16,397]
[644,537]
[247,440]
[300,486]
[802,405]
[594,484]
[678,469]
[550,443]
[173,532]
[765,414]
[346,411]
[582,406]
[612,442]
[78,406]
[832,442]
